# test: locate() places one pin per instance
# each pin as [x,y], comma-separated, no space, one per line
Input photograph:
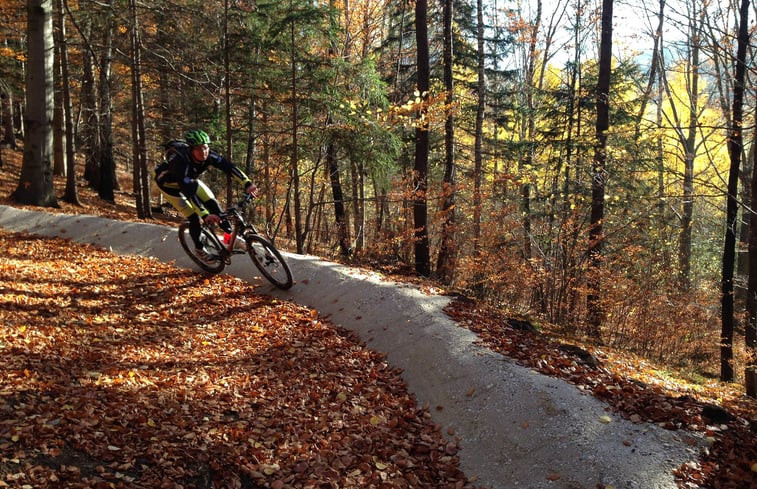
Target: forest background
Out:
[470,149]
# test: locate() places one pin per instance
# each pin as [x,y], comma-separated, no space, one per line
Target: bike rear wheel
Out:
[211,245]
[269,261]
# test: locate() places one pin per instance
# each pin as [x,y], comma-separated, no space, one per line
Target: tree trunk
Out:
[227,99]
[573,97]
[35,186]
[249,160]
[71,196]
[165,78]
[139,150]
[661,170]
[420,173]
[742,254]
[18,123]
[360,216]
[266,164]
[750,372]
[7,117]
[90,140]
[340,216]
[59,131]
[107,182]
[496,115]
[446,261]
[599,173]
[295,169]
[526,162]
[479,128]
[382,209]
[136,179]
[355,198]
[684,249]
[735,146]
[653,66]
[9,135]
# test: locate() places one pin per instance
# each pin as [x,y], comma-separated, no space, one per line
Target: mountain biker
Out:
[178,179]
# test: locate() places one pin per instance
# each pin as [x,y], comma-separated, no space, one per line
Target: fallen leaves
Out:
[55,420]
[120,371]
[632,389]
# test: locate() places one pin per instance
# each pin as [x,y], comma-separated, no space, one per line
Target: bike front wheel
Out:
[211,245]
[269,261]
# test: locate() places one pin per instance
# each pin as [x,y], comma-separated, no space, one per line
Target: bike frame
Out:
[261,250]
[237,224]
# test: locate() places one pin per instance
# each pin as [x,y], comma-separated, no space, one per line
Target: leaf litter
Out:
[730,461]
[122,371]
[717,412]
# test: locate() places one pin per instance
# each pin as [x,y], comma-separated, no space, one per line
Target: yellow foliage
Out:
[712,157]
[7,52]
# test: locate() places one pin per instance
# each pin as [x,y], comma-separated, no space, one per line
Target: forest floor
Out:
[84,330]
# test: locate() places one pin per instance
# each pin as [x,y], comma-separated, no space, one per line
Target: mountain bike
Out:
[243,239]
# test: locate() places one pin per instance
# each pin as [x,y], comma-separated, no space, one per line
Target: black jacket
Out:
[179,173]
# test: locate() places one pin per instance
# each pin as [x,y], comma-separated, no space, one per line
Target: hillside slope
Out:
[655,399]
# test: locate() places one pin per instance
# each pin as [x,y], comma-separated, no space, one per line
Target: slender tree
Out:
[735,146]
[530,125]
[9,80]
[420,171]
[139,148]
[59,130]
[295,164]
[71,196]
[227,97]
[599,172]
[479,128]
[6,100]
[446,261]
[687,138]
[574,126]
[750,371]
[340,216]
[653,67]
[689,147]
[332,161]
[107,181]
[35,186]
[89,130]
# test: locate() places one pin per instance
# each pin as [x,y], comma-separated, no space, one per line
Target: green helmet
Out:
[197,137]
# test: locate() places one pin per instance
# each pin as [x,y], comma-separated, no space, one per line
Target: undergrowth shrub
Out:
[678,328]
[645,311]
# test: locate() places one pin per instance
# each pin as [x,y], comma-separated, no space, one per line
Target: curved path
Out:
[517,428]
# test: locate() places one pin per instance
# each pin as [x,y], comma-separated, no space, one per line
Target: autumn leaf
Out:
[120,316]
[140,387]
[631,388]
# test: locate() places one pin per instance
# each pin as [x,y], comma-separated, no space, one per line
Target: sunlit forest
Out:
[467,152]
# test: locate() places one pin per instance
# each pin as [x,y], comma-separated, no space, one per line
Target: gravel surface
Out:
[517,428]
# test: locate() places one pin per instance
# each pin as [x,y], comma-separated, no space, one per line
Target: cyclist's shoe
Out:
[205,256]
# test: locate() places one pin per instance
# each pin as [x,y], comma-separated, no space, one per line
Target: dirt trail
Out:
[517,428]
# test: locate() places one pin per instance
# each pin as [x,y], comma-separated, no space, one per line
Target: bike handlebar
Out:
[239,205]
[245,201]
